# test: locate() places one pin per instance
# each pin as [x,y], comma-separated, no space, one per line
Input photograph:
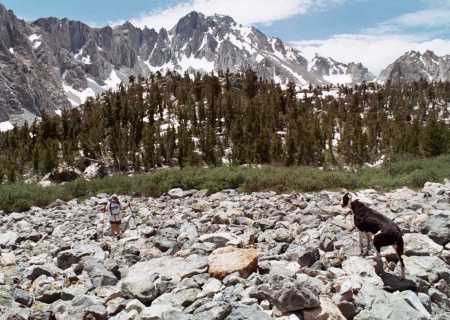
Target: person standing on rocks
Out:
[113,209]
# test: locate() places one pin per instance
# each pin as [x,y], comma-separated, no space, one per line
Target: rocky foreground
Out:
[225,256]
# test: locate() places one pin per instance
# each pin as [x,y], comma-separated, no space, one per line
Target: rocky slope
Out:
[225,256]
[414,66]
[28,82]
[52,64]
[336,72]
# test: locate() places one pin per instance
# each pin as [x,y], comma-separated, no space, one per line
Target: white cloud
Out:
[428,21]
[379,46]
[243,11]
[375,51]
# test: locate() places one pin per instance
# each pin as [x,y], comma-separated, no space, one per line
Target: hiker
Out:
[113,209]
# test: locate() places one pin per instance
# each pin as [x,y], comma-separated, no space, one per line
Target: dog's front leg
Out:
[369,242]
[361,243]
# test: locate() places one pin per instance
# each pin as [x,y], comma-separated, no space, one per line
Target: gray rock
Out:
[362,270]
[247,313]
[8,239]
[156,311]
[7,259]
[179,299]
[175,315]
[23,297]
[179,193]
[440,299]
[67,258]
[217,310]
[99,275]
[85,305]
[437,227]
[211,287]
[289,295]
[386,306]
[430,269]
[220,239]
[36,271]
[417,244]
[142,279]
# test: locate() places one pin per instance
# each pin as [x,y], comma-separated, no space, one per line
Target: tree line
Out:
[233,119]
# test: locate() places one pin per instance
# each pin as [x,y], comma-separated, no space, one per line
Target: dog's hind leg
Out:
[380,240]
[399,248]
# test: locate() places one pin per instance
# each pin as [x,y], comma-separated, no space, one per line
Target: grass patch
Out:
[410,173]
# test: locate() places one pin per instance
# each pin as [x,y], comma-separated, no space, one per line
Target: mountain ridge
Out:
[78,61]
[415,66]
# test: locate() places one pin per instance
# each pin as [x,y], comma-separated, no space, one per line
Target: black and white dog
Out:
[370,222]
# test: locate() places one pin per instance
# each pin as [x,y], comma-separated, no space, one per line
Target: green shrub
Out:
[411,173]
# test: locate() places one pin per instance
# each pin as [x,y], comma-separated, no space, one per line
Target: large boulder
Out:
[214,310]
[95,170]
[220,239]
[98,273]
[405,305]
[8,239]
[247,313]
[430,269]
[361,270]
[156,311]
[80,308]
[417,244]
[327,310]
[437,227]
[225,261]
[64,175]
[288,294]
[147,280]
[67,258]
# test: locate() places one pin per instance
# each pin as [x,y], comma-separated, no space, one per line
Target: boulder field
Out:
[190,255]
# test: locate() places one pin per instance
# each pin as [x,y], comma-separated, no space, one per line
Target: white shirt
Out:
[113,209]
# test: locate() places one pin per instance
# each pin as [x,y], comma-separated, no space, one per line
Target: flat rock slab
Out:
[142,279]
[225,261]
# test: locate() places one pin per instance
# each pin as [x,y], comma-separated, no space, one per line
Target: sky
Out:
[374,32]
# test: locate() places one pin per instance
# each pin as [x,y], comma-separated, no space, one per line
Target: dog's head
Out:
[346,200]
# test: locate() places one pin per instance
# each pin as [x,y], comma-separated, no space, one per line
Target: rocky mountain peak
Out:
[339,73]
[80,61]
[414,66]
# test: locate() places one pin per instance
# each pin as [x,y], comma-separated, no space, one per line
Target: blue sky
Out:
[348,30]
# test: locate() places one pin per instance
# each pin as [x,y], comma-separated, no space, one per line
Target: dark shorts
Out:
[115,222]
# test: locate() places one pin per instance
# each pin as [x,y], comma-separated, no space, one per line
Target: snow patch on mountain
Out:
[6,126]
[199,64]
[113,81]
[77,97]
[35,40]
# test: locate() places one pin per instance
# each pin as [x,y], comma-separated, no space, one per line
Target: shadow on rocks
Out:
[394,283]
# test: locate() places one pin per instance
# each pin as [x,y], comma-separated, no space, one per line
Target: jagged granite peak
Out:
[339,73]
[52,63]
[28,82]
[414,66]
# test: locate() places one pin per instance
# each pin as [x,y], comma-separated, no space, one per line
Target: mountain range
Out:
[51,64]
